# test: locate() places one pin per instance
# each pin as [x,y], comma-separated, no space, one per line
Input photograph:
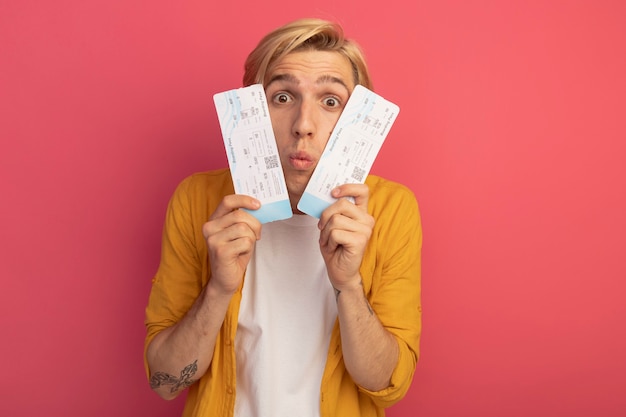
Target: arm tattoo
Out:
[337,292]
[186,378]
[369,306]
[367,303]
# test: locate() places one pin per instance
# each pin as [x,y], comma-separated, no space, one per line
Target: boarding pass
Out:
[350,152]
[251,151]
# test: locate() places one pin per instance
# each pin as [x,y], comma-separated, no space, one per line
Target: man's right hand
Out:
[231,235]
[186,348]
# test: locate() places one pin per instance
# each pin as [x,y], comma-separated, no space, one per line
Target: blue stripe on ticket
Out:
[271,212]
[312,205]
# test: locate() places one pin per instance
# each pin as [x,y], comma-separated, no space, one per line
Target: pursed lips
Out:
[301,160]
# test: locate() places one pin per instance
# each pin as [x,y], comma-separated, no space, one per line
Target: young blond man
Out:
[300,317]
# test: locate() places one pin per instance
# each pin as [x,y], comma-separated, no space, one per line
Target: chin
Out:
[296,187]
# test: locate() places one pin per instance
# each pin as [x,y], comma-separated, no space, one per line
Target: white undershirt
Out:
[286,317]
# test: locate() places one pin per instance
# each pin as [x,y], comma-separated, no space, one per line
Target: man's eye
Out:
[282,98]
[331,102]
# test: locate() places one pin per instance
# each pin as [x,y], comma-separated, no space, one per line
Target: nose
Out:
[304,123]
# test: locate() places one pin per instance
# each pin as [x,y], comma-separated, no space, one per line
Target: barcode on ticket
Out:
[271,161]
[358,174]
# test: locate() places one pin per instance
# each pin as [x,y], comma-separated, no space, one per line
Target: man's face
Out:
[306,93]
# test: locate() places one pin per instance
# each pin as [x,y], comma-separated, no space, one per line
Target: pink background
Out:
[512,135]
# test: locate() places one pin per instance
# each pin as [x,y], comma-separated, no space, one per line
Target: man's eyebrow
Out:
[283,77]
[289,78]
[331,79]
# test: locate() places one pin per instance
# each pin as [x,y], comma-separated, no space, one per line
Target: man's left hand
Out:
[346,228]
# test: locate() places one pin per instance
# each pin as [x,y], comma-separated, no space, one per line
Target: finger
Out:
[236,231]
[360,193]
[234,222]
[233,241]
[360,226]
[233,202]
[351,243]
[345,208]
[226,221]
[328,243]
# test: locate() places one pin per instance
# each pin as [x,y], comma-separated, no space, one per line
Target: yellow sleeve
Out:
[395,293]
[178,280]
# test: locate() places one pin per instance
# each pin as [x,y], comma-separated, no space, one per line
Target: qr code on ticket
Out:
[358,174]
[271,162]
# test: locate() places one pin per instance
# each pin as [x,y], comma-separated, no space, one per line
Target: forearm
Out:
[370,351]
[179,355]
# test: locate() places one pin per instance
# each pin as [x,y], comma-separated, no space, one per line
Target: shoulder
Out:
[208,181]
[398,225]
[387,197]
[203,191]
[206,185]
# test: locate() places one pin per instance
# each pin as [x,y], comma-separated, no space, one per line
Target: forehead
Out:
[312,66]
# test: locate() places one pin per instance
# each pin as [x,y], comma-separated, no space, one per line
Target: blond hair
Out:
[304,34]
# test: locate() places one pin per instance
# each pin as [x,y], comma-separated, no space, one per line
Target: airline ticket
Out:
[251,151]
[350,152]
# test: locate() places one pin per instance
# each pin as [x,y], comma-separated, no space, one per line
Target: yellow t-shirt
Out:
[391,271]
